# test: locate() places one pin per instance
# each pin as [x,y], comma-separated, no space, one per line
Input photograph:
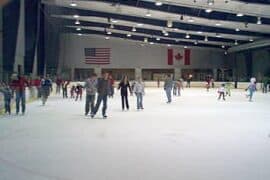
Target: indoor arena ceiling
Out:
[205,23]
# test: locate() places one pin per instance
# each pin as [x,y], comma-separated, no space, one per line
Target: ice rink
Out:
[194,138]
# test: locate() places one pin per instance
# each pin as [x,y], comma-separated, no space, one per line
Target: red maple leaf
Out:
[178,57]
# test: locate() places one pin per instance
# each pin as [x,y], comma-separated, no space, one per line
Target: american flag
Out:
[97,55]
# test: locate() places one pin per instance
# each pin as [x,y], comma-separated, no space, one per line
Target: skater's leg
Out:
[123,102]
[126,99]
[23,102]
[18,99]
[104,98]
[92,102]
[99,99]
[141,101]
[87,102]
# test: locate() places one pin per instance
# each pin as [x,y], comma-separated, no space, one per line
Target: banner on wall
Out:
[179,56]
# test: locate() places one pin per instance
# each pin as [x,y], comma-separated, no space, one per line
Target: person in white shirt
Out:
[221,92]
[139,92]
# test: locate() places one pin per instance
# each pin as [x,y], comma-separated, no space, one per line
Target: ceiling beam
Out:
[180,25]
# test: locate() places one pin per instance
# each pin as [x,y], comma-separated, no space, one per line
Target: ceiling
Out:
[228,23]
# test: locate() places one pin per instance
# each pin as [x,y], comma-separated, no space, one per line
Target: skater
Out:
[265,83]
[58,85]
[79,91]
[158,82]
[7,93]
[212,83]
[251,89]
[102,90]
[221,92]
[124,86]
[91,90]
[46,88]
[168,85]
[228,87]
[18,85]
[189,80]
[72,91]
[174,88]
[111,86]
[139,92]
[208,84]
[64,88]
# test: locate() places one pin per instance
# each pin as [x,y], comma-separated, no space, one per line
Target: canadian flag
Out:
[179,56]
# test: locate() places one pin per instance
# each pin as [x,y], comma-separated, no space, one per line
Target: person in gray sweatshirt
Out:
[91,90]
[139,92]
[168,85]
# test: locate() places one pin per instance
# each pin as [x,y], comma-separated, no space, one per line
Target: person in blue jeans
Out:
[139,92]
[102,90]
[251,89]
[91,90]
[19,86]
[4,88]
[168,85]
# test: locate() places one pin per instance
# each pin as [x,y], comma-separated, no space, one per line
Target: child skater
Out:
[139,92]
[228,87]
[221,92]
[72,91]
[79,91]
[7,92]
[251,89]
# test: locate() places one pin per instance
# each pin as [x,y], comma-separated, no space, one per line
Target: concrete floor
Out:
[194,138]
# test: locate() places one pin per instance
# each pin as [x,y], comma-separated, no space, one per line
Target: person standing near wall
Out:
[64,88]
[5,89]
[139,92]
[58,85]
[189,78]
[111,86]
[91,90]
[124,86]
[102,90]
[19,85]
[46,88]
[168,85]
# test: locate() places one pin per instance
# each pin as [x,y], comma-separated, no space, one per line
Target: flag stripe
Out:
[187,56]
[170,56]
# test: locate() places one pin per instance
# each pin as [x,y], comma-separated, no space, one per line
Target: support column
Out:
[215,74]
[177,73]
[138,73]
[72,74]
[98,71]
[20,45]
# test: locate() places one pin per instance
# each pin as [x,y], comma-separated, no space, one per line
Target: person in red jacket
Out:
[19,85]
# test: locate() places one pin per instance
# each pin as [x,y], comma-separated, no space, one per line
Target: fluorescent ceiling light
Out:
[76,16]
[158,3]
[239,14]
[73,4]
[208,10]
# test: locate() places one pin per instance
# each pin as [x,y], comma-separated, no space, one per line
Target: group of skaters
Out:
[103,88]
[17,88]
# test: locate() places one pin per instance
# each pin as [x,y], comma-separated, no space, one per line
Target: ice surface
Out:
[194,138]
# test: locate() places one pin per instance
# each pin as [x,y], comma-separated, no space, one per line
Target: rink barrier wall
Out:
[194,84]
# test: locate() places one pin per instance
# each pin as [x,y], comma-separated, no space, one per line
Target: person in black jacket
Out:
[124,86]
[102,90]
